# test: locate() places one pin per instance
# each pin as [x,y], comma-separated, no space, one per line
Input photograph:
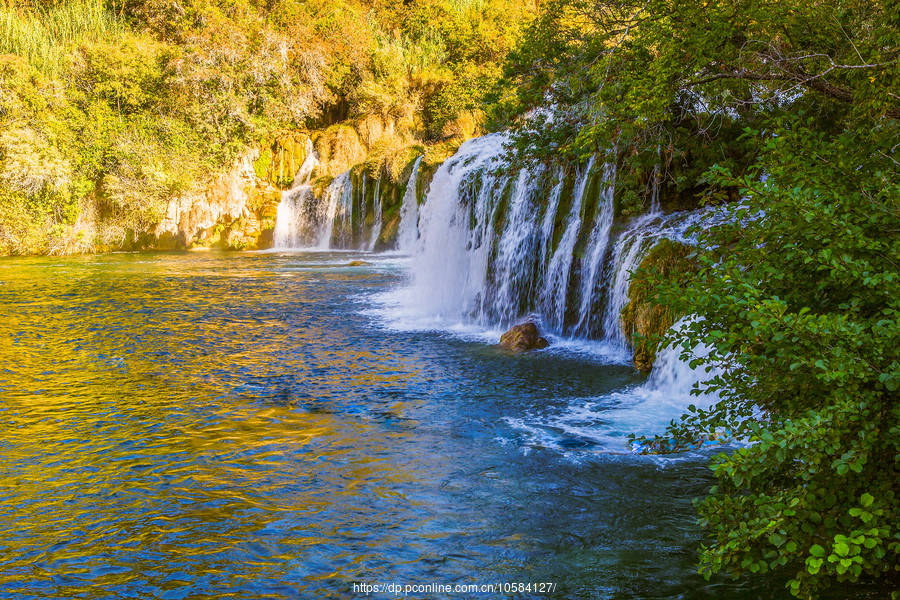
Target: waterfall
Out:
[337,226]
[377,225]
[497,239]
[516,251]
[628,251]
[596,252]
[603,423]
[501,240]
[450,263]
[298,208]
[667,393]
[409,213]
[675,376]
[337,219]
[547,224]
[556,285]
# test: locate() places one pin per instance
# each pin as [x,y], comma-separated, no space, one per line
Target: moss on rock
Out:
[280,158]
[646,317]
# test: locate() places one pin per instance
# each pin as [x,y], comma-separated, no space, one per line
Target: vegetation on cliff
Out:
[648,316]
[109,108]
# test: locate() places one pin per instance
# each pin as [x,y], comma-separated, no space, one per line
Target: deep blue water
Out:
[247,426]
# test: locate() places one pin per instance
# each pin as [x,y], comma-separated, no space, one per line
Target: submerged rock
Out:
[358,263]
[522,338]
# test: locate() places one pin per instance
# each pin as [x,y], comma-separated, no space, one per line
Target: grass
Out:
[45,36]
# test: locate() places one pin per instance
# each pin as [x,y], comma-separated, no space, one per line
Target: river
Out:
[264,425]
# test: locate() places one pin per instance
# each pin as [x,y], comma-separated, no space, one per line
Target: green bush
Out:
[802,314]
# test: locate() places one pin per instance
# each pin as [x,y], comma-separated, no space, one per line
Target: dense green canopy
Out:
[793,108]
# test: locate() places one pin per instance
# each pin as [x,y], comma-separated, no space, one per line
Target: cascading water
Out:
[450,264]
[556,285]
[408,233]
[336,228]
[297,211]
[628,251]
[333,221]
[499,242]
[496,241]
[548,222]
[349,213]
[631,247]
[379,218]
[596,252]
[603,423]
[516,249]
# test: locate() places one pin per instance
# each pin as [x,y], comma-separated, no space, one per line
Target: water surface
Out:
[251,426]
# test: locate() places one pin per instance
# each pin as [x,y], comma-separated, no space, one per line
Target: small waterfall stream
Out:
[350,213]
[336,228]
[298,209]
[408,233]
[379,217]
[556,285]
[596,252]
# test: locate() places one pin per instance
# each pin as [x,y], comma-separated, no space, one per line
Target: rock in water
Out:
[358,263]
[523,338]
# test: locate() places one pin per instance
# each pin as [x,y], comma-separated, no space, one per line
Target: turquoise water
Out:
[254,426]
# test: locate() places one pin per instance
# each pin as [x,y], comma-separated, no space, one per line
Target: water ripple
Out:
[239,426]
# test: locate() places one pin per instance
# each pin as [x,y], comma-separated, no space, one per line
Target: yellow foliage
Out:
[467,125]
[30,163]
[339,148]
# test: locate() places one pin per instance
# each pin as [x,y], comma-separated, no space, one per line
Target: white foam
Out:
[603,423]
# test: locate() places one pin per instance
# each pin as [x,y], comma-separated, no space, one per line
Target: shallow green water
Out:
[244,426]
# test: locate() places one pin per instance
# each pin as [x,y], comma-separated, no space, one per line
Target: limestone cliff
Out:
[233,211]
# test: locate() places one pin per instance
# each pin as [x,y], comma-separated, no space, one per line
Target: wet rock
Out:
[358,263]
[522,338]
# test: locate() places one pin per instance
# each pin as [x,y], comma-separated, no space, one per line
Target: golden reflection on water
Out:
[158,415]
[203,426]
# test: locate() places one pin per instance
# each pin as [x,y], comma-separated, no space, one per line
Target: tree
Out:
[675,81]
[800,298]
[791,107]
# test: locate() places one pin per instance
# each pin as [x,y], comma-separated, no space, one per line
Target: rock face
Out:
[645,318]
[522,338]
[234,211]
